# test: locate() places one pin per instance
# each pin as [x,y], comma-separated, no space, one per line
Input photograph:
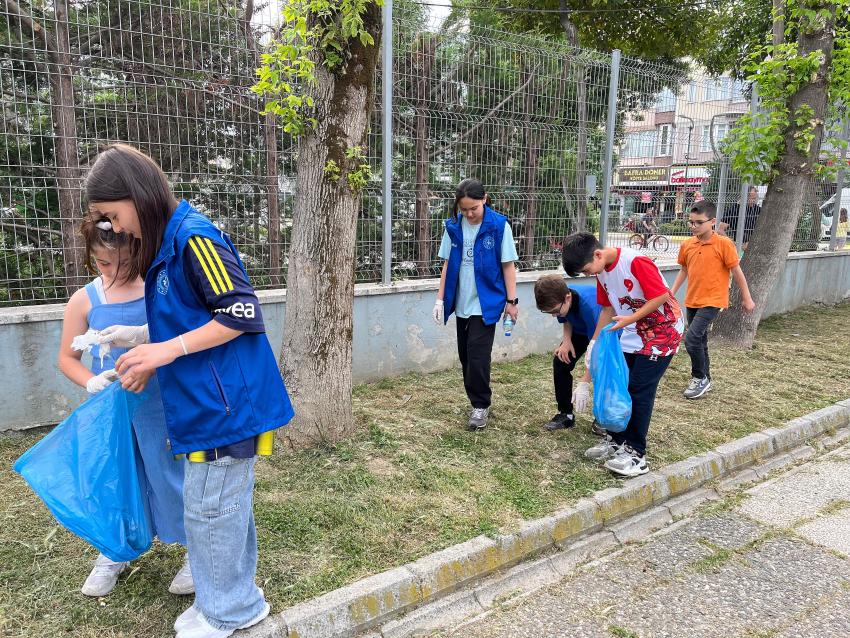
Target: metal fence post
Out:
[839,186]
[721,194]
[387,140]
[613,88]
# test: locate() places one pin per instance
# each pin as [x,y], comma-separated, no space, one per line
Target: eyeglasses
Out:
[557,311]
[697,222]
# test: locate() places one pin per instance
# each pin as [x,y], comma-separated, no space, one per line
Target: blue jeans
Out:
[219,520]
[696,339]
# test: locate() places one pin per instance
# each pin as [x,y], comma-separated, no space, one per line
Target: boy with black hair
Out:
[706,260]
[577,311]
[635,297]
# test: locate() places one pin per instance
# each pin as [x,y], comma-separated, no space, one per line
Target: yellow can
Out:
[265,443]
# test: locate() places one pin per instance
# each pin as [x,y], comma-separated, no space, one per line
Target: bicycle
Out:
[659,243]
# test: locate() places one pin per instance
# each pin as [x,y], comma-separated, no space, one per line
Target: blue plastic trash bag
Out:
[87,472]
[612,405]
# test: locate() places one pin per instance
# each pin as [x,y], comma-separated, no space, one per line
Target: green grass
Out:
[413,481]
[621,632]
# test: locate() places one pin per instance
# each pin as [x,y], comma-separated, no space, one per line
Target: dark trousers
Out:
[696,339]
[645,373]
[474,348]
[562,374]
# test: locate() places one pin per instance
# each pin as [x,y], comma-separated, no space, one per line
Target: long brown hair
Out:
[95,237]
[123,172]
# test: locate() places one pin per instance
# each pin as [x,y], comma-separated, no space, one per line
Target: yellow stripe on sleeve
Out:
[211,263]
[227,282]
[203,263]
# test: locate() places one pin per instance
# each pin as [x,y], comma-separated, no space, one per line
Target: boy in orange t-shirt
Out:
[706,260]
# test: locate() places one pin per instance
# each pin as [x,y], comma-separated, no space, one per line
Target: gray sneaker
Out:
[696,388]
[603,450]
[627,462]
[478,419]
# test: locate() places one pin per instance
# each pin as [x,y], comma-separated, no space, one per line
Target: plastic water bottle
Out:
[508,324]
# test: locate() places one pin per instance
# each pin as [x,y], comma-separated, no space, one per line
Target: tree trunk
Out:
[580,183]
[317,333]
[423,64]
[532,164]
[778,22]
[771,240]
[65,149]
[58,50]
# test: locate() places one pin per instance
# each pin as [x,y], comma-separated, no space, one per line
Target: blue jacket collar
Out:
[166,249]
[488,222]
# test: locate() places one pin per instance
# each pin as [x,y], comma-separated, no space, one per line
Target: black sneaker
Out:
[597,429]
[560,421]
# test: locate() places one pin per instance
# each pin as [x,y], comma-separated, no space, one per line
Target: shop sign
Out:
[697,175]
[643,175]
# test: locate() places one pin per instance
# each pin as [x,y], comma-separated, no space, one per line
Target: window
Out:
[720,131]
[718,89]
[705,140]
[665,141]
[738,91]
[693,92]
[666,101]
[639,144]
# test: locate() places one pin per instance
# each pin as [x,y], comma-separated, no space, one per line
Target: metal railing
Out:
[524,115]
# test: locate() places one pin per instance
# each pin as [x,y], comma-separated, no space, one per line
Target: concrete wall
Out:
[393,333]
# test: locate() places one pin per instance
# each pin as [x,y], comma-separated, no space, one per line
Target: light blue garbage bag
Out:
[612,405]
[87,471]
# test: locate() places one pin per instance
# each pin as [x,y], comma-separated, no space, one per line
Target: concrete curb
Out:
[429,590]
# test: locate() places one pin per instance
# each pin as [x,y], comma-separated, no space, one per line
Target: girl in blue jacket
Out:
[478,285]
[221,389]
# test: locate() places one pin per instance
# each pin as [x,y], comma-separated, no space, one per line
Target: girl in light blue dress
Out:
[107,301]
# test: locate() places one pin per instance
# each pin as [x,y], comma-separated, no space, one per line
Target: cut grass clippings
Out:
[413,481]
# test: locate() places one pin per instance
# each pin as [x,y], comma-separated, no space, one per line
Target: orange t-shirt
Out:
[708,263]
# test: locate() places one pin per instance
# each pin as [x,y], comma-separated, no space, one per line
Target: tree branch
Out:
[33,25]
[484,119]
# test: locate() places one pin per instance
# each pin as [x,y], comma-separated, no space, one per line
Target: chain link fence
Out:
[521,114]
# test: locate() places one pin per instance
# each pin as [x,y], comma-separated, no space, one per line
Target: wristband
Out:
[183,344]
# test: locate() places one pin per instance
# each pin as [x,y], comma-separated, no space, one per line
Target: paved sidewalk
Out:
[770,562]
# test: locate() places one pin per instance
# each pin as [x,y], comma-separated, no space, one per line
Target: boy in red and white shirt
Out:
[633,294]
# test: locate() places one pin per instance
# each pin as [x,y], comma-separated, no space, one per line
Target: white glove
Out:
[101,381]
[437,312]
[125,336]
[588,351]
[581,397]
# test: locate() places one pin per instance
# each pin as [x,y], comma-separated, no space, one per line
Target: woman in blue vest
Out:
[219,380]
[478,285]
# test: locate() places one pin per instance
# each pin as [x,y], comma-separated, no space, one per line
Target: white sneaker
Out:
[627,462]
[603,450]
[200,628]
[186,619]
[183,583]
[103,576]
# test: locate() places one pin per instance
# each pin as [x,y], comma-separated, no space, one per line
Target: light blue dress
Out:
[163,474]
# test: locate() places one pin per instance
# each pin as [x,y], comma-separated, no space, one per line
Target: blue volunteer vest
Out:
[487,262]
[221,395]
